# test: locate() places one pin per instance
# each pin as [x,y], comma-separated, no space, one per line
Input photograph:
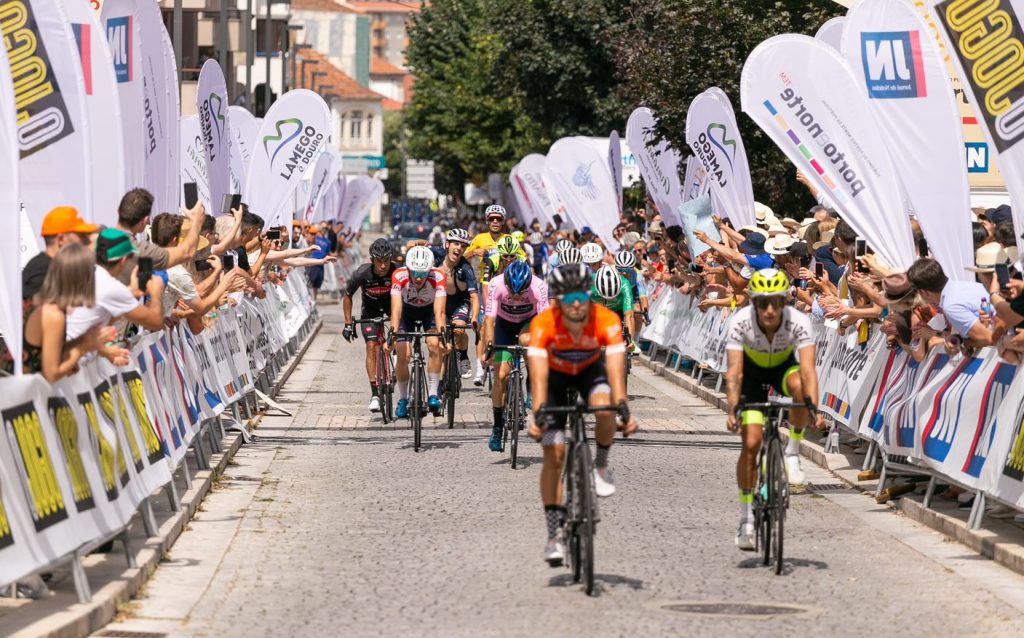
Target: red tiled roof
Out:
[319,5]
[392,105]
[339,82]
[396,6]
[380,66]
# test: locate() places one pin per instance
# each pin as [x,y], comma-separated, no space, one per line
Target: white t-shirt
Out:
[113,299]
[179,286]
[961,303]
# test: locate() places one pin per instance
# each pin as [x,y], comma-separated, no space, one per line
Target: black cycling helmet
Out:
[569,278]
[382,250]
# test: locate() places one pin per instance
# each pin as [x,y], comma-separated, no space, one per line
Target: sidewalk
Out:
[1001,541]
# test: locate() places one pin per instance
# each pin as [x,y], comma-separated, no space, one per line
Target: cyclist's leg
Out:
[553,445]
[799,419]
[593,383]
[404,351]
[481,348]
[458,319]
[502,360]
[433,364]
[751,433]
[369,332]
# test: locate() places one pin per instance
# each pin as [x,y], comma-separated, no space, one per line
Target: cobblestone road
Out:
[331,525]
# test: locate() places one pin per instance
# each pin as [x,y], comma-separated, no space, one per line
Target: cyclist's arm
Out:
[734,378]
[615,358]
[474,306]
[396,310]
[808,372]
[346,307]
[537,363]
[439,307]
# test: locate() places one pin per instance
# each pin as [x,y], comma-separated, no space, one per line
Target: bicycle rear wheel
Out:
[763,507]
[778,488]
[416,409]
[451,388]
[383,384]
[585,497]
[515,403]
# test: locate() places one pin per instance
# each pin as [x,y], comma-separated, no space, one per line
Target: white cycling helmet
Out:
[536,238]
[419,259]
[562,245]
[571,255]
[458,235]
[625,259]
[592,253]
[494,209]
[608,282]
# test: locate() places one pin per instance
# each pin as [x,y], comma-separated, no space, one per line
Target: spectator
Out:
[315,273]
[62,226]
[132,217]
[114,300]
[961,302]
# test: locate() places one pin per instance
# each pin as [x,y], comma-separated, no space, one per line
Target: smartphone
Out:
[191,195]
[228,261]
[236,201]
[145,271]
[819,270]
[274,234]
[671,265]
[696,268]
[202,265]
[1003,276]
[861,247]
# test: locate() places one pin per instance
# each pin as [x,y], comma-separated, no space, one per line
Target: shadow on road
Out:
[602,582]
[788,564]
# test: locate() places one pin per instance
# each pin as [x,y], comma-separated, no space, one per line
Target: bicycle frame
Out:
[515,398]
[417,380]
[385,377]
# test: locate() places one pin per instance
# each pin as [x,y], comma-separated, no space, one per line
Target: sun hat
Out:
[186,224]
[779,245]
[897,286]
[825,239]
[986,258]
[753,244]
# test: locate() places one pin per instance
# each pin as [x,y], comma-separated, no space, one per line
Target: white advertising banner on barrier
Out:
[212,109]
[49,92]
[890,51]
[293,131]
[192,158]
[985,41]
[161,108]
[851,369]
[579,176]
[803,95]
[1003,475]
[658,163]
[103,108]
[714,137]
[119,19]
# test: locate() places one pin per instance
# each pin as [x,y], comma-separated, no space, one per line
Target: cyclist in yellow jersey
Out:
[768,344]
[486,244]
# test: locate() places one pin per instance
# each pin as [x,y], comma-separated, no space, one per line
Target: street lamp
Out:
[298,48]
[268,44]
[284,55]
[302,70]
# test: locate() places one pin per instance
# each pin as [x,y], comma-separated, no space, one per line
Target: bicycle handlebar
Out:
[622,409]
[775,406]
[377,321]
[514,350]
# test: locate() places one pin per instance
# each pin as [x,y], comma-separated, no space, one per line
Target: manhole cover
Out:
[828,487]
[734,609]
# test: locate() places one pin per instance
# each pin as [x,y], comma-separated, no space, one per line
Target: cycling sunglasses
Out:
[581,296]
[419,274]
[761,303]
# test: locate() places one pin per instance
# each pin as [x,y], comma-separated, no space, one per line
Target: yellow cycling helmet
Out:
[519,236]
[508,246]
[768,282]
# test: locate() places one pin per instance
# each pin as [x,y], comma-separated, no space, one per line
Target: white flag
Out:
[578,174]
[119,20]
[615,165]
[292,133]
[658,162]
[212,108]
[161,109]
[890,51]
[803,95]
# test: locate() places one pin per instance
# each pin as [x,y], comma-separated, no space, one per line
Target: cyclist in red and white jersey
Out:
[418,294]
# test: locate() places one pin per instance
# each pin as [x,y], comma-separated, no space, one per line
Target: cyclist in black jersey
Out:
[462,303]
[374,279]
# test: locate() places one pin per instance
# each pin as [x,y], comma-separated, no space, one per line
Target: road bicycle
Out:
[451,382]
[385,376]
[581,512]
[515,399]
[417,380]
[771,493]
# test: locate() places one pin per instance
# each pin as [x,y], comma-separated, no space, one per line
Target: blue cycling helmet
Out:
[518,277]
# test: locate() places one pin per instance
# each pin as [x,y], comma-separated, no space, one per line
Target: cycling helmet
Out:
[508,246]
[571,255]
[536,238]
[563,245]
[569,278]
[419,259]
[608,282]
[768,282]
[518,277]
[494,209]
[592,253]
[625,259]
[458,235]
[382,250]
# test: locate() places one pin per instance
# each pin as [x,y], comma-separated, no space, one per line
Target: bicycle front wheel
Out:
[416,409]
[382,385]
[515,412]
[778,490]
[585,497]
[451,389]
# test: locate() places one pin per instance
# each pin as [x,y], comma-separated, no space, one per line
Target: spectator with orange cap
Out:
[61,226]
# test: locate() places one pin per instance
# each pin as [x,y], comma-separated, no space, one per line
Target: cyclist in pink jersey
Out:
[513,300]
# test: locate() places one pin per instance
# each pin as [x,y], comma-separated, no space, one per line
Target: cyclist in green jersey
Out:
[611,290]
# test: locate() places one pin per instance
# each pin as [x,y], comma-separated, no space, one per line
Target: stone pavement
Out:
[330,525]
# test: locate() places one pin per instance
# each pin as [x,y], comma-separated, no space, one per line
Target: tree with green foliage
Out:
[499,79]
[675,49]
